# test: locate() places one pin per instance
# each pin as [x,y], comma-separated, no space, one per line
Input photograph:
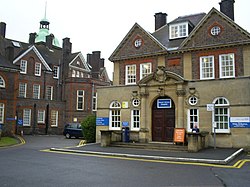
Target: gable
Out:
[79,62]
[37,53]
[137,43]
[229,32]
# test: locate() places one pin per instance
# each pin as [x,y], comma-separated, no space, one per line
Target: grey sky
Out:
[100,25]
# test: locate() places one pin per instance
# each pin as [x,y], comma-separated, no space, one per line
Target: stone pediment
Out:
[161,76]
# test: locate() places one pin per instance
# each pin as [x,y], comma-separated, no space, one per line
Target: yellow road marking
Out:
[237,165]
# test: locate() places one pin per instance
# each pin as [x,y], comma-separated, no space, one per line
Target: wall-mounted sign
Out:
[124,104]
[210,107]
[239,122]
[164,103]
[102,121]
[125,123]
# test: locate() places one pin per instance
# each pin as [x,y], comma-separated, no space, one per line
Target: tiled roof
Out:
[162,34]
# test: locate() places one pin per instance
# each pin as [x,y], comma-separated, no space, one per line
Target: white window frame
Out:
[22,90]
[36,91]
[73,73]
[2,113]
[94,102]
[221,116]
[2,82]
[130,77]
[207,67]
[178,30]
[135,120]
[115,116]
[56,71]
[41,116]
[227,64]
[49,92]
[23,66]
[145,69]
[38,69]
[54,118]
[80,100]
[192,119]
[26,117]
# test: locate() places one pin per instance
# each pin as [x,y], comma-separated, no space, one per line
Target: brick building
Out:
[191,71]
[43,85]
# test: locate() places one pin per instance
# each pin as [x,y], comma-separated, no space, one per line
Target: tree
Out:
[89,128]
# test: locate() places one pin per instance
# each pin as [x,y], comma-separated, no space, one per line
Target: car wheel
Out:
[67,135]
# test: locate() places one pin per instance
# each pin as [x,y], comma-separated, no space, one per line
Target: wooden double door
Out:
[163,121]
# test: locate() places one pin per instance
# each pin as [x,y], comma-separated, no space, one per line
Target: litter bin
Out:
[125,134]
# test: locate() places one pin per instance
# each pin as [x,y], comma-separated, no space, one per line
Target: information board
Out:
[164,103]
[102,121]
[179,135]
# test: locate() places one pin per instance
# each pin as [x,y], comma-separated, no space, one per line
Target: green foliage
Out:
[89,128]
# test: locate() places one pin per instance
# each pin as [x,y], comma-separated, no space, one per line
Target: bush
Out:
[89,128]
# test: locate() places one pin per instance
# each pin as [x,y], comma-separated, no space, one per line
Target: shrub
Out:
[89,128]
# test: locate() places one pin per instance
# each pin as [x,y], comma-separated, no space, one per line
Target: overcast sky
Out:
[100,25]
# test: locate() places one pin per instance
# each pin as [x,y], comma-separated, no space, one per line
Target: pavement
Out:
[221,156]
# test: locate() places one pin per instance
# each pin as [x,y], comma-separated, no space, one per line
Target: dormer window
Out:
[179,30]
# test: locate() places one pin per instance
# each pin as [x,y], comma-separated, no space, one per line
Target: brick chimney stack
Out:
[2,29]
[32,38]
[160,20]
[227,8]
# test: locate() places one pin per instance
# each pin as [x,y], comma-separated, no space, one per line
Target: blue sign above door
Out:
[164,103]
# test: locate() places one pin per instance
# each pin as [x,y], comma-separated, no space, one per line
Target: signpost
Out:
[210,108]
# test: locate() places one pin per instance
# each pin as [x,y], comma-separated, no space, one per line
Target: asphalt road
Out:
[27,166]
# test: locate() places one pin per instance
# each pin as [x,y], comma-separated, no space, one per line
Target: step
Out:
[155,146]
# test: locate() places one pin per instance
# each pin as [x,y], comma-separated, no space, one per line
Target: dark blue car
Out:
[73,130]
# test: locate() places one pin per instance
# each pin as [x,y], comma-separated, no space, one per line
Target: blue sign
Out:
[20,122]
[240,122]
[10,119]
[164,103]
[102,121]
[125,123]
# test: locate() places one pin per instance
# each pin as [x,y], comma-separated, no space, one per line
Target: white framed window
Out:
[23,67]
[136,102]
[49,92]
[77,74]
[193,100]
[2,82]
[115,116]
[1,113]
[56,72]
[227,67]
[178,30]
[94,102]
[135,119]
[221,115]
[73,73]
[80,100]
[36,91]
[215,31]
[41,116]
[193,118]
[207,67]
[38,69]
[22,90]
[26,117]
[145,69]
[54,118]
[130,74]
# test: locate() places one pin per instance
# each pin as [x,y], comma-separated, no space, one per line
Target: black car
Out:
[73,130]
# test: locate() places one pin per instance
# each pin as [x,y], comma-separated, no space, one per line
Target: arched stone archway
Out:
[163,119]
